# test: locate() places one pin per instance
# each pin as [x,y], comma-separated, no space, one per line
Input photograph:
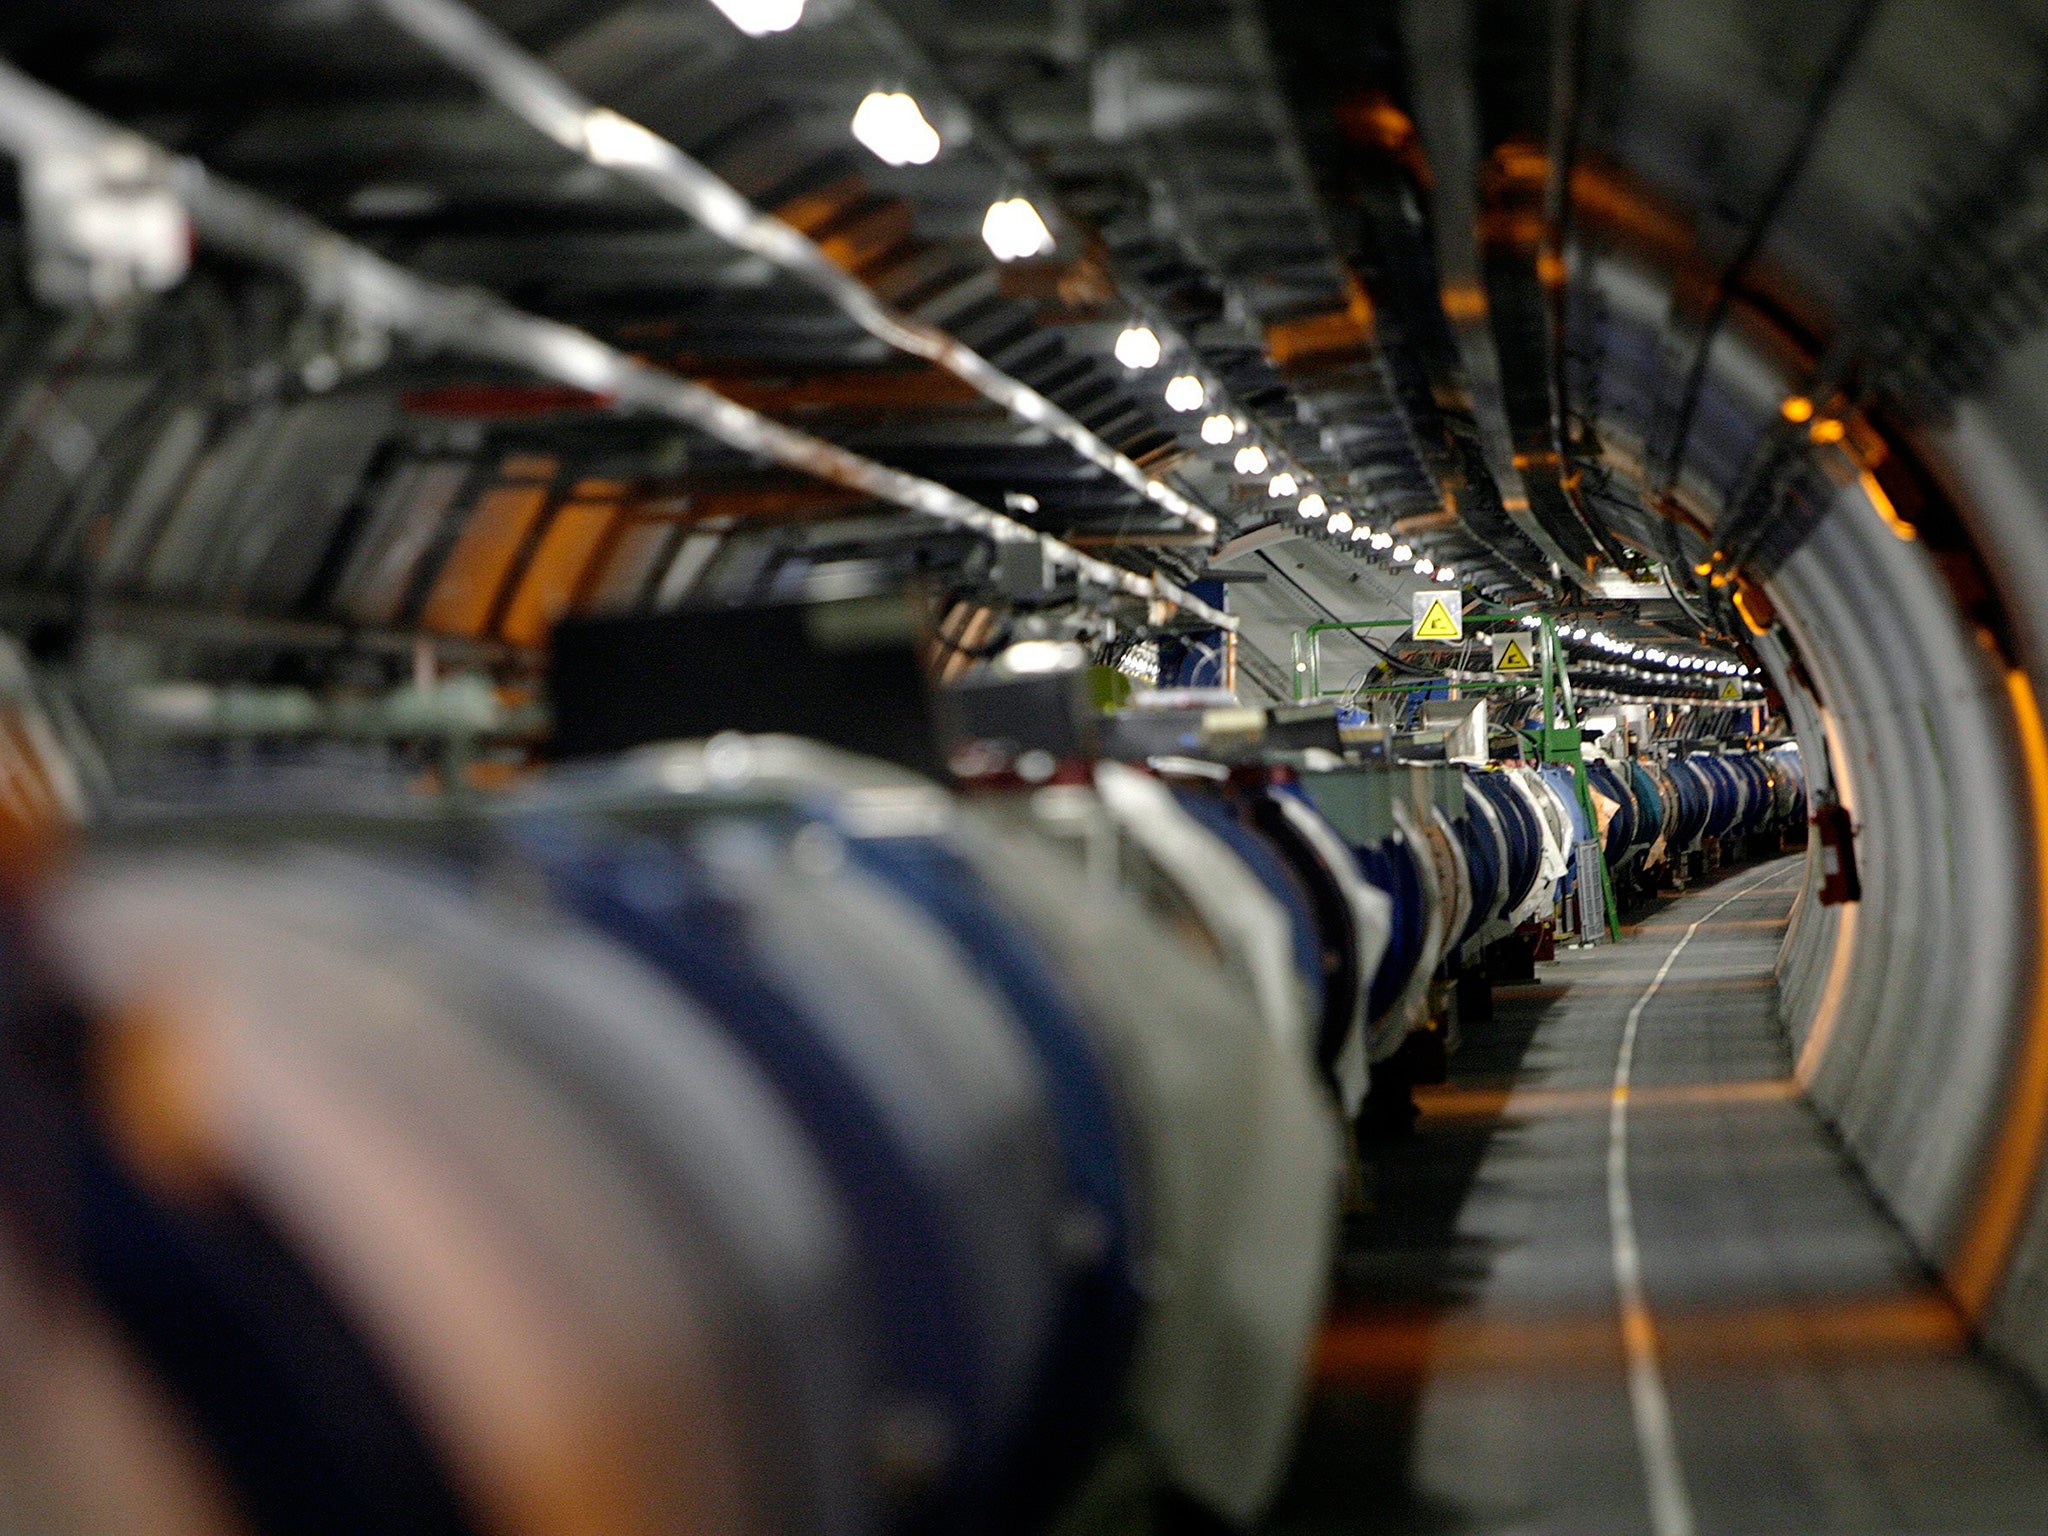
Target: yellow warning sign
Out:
[1439,616]
[1732,691]
[1511,653]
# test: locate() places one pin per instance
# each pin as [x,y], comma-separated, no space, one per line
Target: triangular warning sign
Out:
[1438,623]
[1513,658]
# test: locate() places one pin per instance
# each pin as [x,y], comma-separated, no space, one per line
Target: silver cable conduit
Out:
[542,99]
[38,124]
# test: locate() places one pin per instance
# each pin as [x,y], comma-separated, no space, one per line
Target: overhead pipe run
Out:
[1518,447]
[989,126]
[540,98]
[42,128]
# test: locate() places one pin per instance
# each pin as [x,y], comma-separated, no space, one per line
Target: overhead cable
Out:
[44,129]
[543,100]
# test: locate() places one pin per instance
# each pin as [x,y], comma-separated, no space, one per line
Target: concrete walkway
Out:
[1670,1309]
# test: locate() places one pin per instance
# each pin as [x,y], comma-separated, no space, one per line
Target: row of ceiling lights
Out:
[1627,650]
[894,128]
[1652,654]
[1313,508]
[1631,652]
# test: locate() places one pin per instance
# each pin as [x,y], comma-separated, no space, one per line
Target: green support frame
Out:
[1555,743]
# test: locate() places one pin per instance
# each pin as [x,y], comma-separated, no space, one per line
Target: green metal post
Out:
[1580,781]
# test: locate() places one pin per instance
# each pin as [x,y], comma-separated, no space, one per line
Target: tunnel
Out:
[1047,767]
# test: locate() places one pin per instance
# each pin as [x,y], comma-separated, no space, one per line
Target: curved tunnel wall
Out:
[1915,1017]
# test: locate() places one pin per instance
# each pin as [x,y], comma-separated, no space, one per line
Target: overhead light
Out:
[1312,506]
[1281,486]
[1445,573]
[1361,533]
[1013,230]
[1184,392]
[1403,554]
[1532,621]
[891,124]
[1340,521]
[758,18]
[1251,460]
[1218,429]
[1424,566]
[1137,347]
[619,143]
[1020,501]
[1578,634]
[1029,658]
[1383,541]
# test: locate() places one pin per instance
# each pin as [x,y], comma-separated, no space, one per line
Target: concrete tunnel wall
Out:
[1914,1017]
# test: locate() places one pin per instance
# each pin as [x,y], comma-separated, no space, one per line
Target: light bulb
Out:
[1340,521]
[1028,658]
[758,18]
[1424,566]
[1184,392]
[1281,486]
[1013,230]
[620,143]
[1403,554]
[1360,533]
[1383,541]
[1137,347]
[891,124]
[1218,430]
[1251,460]
[1312,505]
[1445,573]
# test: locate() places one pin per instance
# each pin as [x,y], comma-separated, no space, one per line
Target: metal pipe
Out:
[380,296]
[542,99]
[170,621]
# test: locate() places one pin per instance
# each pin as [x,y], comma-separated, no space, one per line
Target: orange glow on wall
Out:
[554,576]
[2014,1165]
[467,587]
[1884,508]
[1464,302]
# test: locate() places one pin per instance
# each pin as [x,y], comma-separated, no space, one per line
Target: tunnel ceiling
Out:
[1599,302]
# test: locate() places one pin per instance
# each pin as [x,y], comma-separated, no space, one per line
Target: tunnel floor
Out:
[1790,1367]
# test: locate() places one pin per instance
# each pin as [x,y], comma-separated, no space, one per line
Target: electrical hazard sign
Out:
[1732,691]
[1513,653]
[1439,616]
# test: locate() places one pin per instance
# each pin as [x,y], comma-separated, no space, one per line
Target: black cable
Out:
[1829,85]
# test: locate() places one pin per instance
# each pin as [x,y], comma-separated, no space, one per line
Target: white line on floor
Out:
[1670,1507]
